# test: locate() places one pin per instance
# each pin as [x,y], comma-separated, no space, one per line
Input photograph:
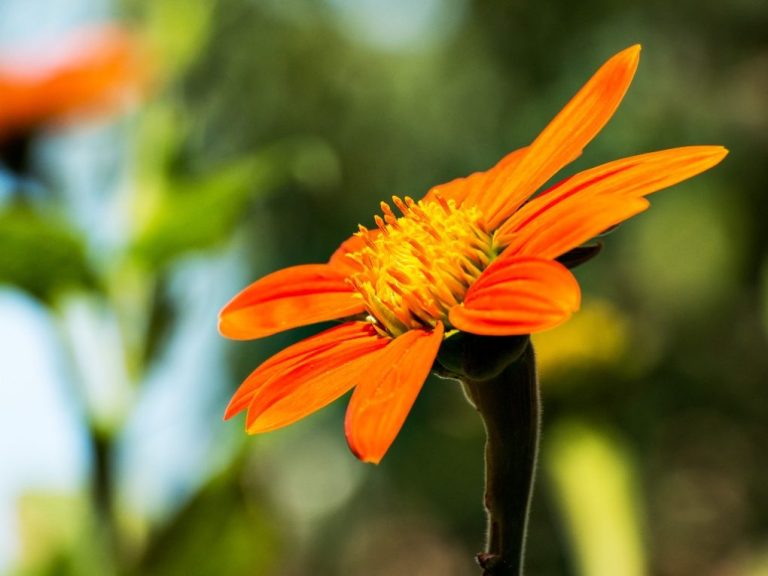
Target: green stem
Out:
[508,403]
[102,482]
[103,495]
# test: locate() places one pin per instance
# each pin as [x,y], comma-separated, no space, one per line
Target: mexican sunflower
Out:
[93,70]
[478,255]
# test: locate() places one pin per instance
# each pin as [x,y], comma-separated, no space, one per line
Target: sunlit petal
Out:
[361,333]
[311,379]
[385,394]
[473,185]
[567,225]
[518,295]
[563,139]
[596,194]
[288,298]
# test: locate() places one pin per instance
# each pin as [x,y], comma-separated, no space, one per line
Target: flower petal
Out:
[588,203]
[340,258]
[386,392]
[634,176]
[461,188]
[567,225]
[312,383]
[288,298]
[517,295]
[563,139]
[281,363]
[305,377]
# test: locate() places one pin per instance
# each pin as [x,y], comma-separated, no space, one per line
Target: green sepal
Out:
[463,355]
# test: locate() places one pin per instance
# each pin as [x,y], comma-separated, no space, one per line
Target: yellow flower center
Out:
[415,267]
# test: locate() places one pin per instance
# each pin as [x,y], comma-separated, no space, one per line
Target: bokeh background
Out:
[267,131]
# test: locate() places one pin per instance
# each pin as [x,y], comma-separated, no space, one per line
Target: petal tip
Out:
[630,52]
[220,327]
[633,52]
[716,155]
[353,443]
[627,61]
[361,455]
[710,156]
[231,410]
[720,152]
[257,425]
[226,328]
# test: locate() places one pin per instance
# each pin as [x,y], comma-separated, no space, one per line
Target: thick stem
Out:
[509,406]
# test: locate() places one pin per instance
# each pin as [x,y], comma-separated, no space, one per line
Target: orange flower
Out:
[476,255]
[92,71]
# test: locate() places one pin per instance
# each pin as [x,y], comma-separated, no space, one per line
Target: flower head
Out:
[477,255]
[91,71]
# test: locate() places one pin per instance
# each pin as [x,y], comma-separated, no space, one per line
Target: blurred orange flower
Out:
[476,255]
[93,71]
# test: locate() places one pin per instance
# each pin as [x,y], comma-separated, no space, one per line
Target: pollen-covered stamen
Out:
[381,224]
[400,205]
[416,267]
[363,231]
[443,203]
[389,216]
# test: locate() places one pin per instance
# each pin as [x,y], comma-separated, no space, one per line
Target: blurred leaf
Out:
[598,338]
[592,475]
[698,229]
[177,30]
[41,255]
[199,215]
[58,536]
[220,531]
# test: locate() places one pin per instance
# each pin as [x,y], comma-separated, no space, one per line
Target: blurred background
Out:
[157,156]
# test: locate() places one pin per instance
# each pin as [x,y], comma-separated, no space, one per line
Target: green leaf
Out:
[199,215]
[221,530]
[42,255]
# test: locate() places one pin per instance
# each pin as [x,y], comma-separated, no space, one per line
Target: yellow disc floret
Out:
[415,267]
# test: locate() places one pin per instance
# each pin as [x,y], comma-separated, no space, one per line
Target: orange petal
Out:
[340,258]
[290,390]
[548,225]
[517,295]
[288,298]
[355,332]
[567,225]
[473,185]
[563,139]
[386,392]
[634,176]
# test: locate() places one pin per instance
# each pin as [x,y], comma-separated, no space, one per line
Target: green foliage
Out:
[177,29]
[202,214]
[220,531]
[42,255]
